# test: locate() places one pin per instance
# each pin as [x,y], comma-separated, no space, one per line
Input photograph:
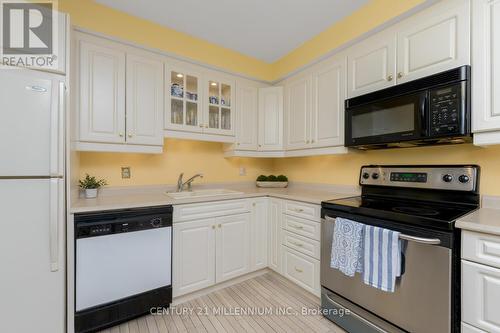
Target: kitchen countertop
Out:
[485,220]
[132,197]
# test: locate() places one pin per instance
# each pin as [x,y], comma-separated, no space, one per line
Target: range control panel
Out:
[445,110]
[456,178]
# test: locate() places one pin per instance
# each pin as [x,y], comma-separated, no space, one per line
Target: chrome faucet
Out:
[181,185]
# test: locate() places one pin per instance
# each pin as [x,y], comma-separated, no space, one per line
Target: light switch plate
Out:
[243,171]
[125,172]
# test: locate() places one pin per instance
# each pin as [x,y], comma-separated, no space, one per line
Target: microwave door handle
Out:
[423,114]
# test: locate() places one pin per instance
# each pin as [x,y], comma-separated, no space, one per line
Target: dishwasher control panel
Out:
[116,222]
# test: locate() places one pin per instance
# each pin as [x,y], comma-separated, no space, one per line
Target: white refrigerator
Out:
[32,202]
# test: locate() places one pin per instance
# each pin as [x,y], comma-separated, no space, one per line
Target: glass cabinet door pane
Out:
[191,113]
[213,116]
[213,92]
[225,95]
[176,112]
[191,88]
[226,118]
[177,84]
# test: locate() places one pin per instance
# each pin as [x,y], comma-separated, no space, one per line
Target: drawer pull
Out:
[296,226]
[297,244]
[298,270]
[298,210]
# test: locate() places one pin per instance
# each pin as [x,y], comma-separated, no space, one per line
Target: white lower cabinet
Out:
[194,256]
[481,296]
[226,243]
[480,282]
[301,269]
[274,235]
[232,246]
[259,228]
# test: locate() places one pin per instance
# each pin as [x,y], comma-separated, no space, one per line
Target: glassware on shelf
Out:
[176,112]
[191,113]
[213,117]
[225,93]
[225,118]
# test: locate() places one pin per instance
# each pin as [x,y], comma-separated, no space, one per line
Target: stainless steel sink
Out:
[201,193]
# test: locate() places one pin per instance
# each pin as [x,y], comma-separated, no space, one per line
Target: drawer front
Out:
[203,210]
[466,328]
[481,248]
[481,296]
[301,269]
[304,210]
[302,227]
[302,244]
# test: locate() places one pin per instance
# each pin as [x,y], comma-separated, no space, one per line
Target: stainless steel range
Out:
[422,203]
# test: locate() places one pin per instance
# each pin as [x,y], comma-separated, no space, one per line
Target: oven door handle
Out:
[421,240]
[429,241]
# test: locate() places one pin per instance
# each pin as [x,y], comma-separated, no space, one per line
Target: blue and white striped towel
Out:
[382,257]
[347,246]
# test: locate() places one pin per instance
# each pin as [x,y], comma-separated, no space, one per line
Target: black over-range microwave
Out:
[432,110]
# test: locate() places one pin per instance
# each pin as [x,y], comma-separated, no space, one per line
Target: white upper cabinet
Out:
[247,99]
[101,92]
[144,100]
[270,125]
[434,40]
[119,97]
[183,102]
[372,64]
[219,111]
[486,71]
[298,108]
[329,93]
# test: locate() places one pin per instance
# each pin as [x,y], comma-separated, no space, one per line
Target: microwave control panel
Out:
[445,105]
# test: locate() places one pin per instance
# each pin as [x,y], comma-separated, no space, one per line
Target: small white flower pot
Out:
[91,193]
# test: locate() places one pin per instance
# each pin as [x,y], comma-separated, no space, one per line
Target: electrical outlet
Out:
[243,171]
[125,172]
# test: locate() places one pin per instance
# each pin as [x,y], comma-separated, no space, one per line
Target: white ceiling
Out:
[264,29]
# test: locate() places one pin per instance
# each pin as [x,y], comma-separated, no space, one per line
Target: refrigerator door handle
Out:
[56,216]
[57,124]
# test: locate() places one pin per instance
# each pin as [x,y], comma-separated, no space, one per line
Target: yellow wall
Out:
[344,169]
[179,156]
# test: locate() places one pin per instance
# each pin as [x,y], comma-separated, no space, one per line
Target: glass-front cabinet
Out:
[184,102]
[198,102]
[220,106]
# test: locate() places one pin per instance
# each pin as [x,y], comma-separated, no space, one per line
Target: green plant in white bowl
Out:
[90,185]
[272,181]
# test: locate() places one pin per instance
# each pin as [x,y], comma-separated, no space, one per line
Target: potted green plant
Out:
[272,181]
[90,185]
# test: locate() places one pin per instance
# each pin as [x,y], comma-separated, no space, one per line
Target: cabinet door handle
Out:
[390,77]
[298,270]
[253,204]
[213,227]
[312,141]
[121,135]
[297,244]
[220,226]
[297,226]
[201,125]
[400,75]
[130,135]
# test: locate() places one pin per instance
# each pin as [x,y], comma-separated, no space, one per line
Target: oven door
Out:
[422,301]
[390,120]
